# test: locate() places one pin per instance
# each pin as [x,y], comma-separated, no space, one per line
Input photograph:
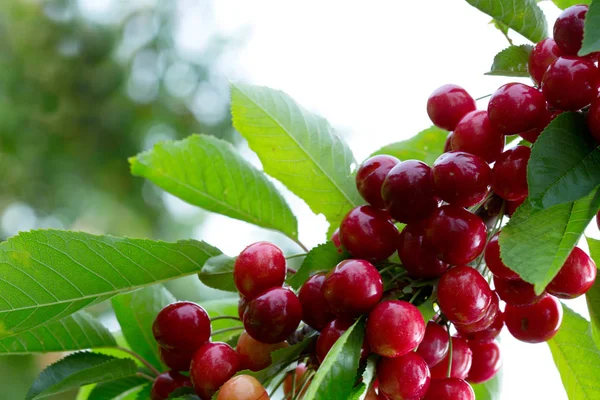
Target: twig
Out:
[299,243]
[143,375]
[224,330]
[296,256]
[224,317]
[449,351]
[141,359]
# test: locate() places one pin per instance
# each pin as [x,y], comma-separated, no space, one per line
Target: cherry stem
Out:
[416,294]
[224,330]
[483,97]
[449,352]
[140,359]
[305,380]
[495,229]
[299,243]
[225,317]
[296,256]
[291,271]
[279,382]
[143,375]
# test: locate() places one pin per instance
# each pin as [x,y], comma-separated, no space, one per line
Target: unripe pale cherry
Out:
[299,375]
[243,387]
[259,267]
[255,355]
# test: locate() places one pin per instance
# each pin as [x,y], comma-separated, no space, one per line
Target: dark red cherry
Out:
[487,360]
[402,378]
[462,357]
[273,315]
[448,144]
[461,178]
[568,29]
[370,176]
[457,235]
[255,355]
[369,233]
[175,360]
[475,134]
[540,58]
[515,292]
[418,258]
[394,328]
[534,323]
[488,334]
[331,333]
[484,323]
[213,364]
[259,267]
[315,309]
[464,295]
[335,238]
[570,83]
[449,389]
[494,261]
[575,277]
[515,108]
[166,383]
[408,191]
[448,104]
[353,288]
[435,344]
[182,326]
[510,174]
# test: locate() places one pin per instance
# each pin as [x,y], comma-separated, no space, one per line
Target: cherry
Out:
[273,316]
[511,206]
[568,29]
[403,378]
[461,178]
[475,134]
[300,376]
[494,261]
[166,383]
[462,357]
[175,360]
[259,267]
[213,364]
[457,235]
[368,233]
[417,258]
[335,238]
[534,323]
[532,135]
[331,333]
[182,326]
[449,389]
[370,176]
[575,277]
[570,83]
[510,174]
[372,394]
[540,58]
[353,288]
[448,104]
[489,334]
[515,108]
[464,295]
[394,328]
[448,144]
[255,355]
[435,344]
[315,309]
[242,387]
[242,306]
[516,292]
[490,210]
[484,323]
[486,361]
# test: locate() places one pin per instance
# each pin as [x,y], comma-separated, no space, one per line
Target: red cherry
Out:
[457,235]
[461,178]
[175,360]
[394,328]
[166,383]
[542,55]
[213,364]
[353,288]
[369,233]
[449,389]
[300,378]
[570,83]
[182,326]
[534,323]
[255,355]
[532,135]
[417,258]
[568,29]
[516,108]
[488,334]
[259,267]
[484,323]
[464,295]
[370,176]
[408,191]
[475,134]
[510,174]
[448,104]
[448,144]
[487,360]
[575,277]
[273,315]
[330,334]
[243,387]
[494,261]
[335,238]
[516,292]
[435,344]
[315,309]
[403,378]
[462,357]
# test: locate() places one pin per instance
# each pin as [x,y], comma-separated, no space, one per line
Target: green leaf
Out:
[576,357]
[360,391]
[427,309]
[562,4]
[77,370]
[425,146]
[565,162]
[221,307]
[489,390]
[321,258]
[217,273]
[187,397]
[182,392]
[512,61]
[144,394]
[298,148]
[337,373]
[79,331]
[591,30]
[536,243]
[593,295]
[117,389]
[136,312]
[210,173]
[523,16]
[47,275]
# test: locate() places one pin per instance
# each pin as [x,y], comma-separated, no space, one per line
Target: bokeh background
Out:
[84,84]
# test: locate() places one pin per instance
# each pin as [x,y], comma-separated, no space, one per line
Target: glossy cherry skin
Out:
[593,119]
[516,292]
[570,83]
[368,233]
[166,383]
[273,316]
[540,58]
[456,235]
[243,387]
[435,344]
[448,104]
[568,29]
[394,328]
[515,108]
[487,360]
[475,134]
[575,277]
[353,288]
[259,267]
[403,378]
[464,295]
[182,326]
[213,364]
[510,174]
[489,334]
[335,238]
[300,376]
[488,318]
[449,389]
[462,357]
[175,360]
[255,355]
[534,323]
[315,309]
[370,176]
[331,333]
[461,178]
[494,261]
[418,258]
